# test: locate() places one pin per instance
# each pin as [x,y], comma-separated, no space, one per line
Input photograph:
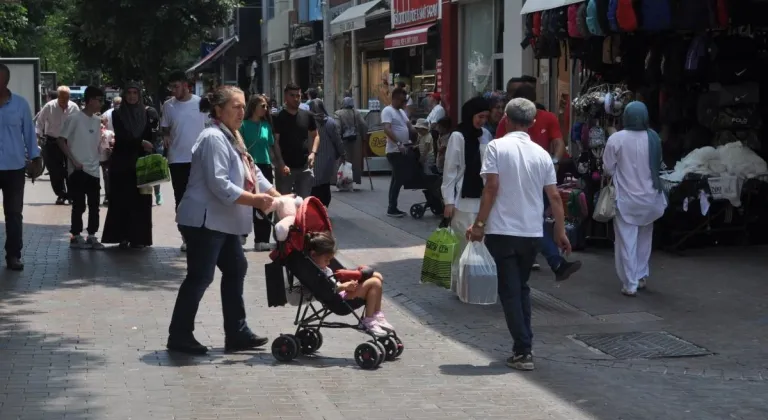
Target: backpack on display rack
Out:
[603,6]
[573,21]
[657,15]
[626,17]
[612,9]
[582,21]
[592,21]
[558,23]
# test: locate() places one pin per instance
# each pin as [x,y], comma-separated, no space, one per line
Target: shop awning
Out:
[213,55]
[531,6]
[408,37]
[354,17]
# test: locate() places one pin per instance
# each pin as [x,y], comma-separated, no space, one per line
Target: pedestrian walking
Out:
[259,140]
[107,143]
[516,172]
[298,140]
[48,126]
[182,123]
[398,130]
[215,212]
[329,151]
[79,140]
[354,131]
[633,158]
[108,113]
[129,215]
[18,143]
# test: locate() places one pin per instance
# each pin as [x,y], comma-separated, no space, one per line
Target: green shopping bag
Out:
[441,250]
[152,170]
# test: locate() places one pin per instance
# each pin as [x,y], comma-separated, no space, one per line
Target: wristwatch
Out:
[480,224]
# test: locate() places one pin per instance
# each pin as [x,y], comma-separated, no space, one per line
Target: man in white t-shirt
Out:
[182,122]
[438,112]
[398,130]
[79,140]
[516,170]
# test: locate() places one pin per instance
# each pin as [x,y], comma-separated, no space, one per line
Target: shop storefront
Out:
[306,55]
[415,47]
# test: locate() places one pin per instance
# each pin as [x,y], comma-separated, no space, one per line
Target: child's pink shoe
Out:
[372,325]
[383,323]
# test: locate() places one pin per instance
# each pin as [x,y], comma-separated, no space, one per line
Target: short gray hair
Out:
[521,111]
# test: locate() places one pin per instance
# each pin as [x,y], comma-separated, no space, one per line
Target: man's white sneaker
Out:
[183,247]
[93,242]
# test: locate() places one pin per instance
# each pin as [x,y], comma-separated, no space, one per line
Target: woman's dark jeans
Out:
[206,250]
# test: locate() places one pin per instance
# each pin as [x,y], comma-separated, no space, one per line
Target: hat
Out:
[436,96]
[422,123]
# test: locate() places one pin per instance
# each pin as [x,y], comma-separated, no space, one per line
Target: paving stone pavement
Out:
[82,336]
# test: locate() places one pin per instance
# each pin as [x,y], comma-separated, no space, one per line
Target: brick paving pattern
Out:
[82,336]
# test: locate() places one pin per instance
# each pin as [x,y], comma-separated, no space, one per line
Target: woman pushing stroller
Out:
[361,286]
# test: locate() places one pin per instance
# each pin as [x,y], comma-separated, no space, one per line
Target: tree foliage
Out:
[13,22]
[141,39]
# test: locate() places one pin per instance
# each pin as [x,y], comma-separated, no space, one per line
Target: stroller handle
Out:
[261,215]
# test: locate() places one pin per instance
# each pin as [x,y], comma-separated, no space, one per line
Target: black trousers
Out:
[84,187]
[399,163]
[323,193]
[262,229]
[57,167]
[179,179]
[12,188]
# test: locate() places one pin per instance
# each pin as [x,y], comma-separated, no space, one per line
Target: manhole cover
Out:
[642,345]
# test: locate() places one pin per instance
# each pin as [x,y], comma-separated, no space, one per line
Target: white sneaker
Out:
[372,326]
[263,246]
[183,246]
[93,242]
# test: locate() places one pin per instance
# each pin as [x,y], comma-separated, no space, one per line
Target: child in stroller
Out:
[352,285]
[425,173]
[307,254]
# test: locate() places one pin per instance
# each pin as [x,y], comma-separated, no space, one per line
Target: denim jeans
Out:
[12,188]
[206,250]
[514,257]
[398,161]
[549,249]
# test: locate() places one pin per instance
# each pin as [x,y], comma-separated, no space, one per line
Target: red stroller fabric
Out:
[310,217]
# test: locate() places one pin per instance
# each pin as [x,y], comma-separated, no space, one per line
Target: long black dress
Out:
[129,216]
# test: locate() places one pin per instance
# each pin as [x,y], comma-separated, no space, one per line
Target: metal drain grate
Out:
[642,345]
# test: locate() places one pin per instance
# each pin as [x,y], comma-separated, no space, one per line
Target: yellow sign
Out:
[377,141]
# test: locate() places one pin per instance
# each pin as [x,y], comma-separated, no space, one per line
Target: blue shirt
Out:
[215,182]
[18,141]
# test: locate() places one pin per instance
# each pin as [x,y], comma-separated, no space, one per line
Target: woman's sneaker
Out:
[371,325]
[379,318]
[521,361]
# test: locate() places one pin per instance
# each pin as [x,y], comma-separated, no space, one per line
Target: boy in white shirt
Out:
[80,139]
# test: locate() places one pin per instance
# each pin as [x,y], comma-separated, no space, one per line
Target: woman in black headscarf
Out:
[462,184]
[129,216]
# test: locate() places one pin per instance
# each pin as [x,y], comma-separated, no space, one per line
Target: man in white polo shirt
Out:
[516,170]
[181,123]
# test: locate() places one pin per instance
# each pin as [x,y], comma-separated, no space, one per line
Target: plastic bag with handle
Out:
[478,282]
[441,250]
[344,180]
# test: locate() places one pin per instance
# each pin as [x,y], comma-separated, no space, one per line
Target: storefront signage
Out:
[276,57]
[306,51]
[302,35]
[439,76]
[349,25]
[405,40]
[414,12]
[377,141]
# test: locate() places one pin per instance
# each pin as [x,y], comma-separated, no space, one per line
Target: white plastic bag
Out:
[477,283]
[605,209]
[344,180]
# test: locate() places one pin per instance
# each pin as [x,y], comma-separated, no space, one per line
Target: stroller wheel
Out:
[285,348]
[309,340]
[367,356]
[417,211]
[382,351]
[390,348]
[400,346]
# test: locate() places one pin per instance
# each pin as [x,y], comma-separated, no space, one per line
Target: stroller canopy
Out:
[311,217]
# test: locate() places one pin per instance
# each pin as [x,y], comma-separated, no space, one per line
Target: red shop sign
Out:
[415,12]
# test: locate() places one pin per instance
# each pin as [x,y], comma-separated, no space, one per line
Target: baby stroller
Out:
[417,178]
[315,296]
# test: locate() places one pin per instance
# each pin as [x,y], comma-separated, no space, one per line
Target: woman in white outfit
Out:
[462,185]
[633,157]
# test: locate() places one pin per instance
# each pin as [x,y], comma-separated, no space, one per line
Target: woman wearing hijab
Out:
[129,215]
[633,158]
[330,150]
[462,184]
[354,131]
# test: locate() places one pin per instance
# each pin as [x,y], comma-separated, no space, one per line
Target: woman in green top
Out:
[260,142]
